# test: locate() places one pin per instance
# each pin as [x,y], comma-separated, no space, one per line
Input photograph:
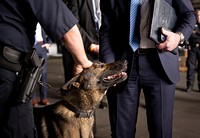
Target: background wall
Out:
[196,3]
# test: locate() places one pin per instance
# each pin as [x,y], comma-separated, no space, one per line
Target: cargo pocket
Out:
[32,134]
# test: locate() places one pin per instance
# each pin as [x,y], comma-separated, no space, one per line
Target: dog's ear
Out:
[76,84]
[72,82]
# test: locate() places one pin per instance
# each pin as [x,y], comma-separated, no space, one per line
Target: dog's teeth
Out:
[123,74]
[115,76]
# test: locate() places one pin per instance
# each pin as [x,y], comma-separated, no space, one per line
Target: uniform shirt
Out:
[38,34]
[18,19]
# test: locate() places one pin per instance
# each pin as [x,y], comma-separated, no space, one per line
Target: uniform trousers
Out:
[193,58]
[16,119]
[147,75]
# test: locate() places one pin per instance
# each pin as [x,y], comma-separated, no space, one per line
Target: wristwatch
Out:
[182,37]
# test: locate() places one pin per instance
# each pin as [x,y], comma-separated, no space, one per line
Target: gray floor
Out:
[186,113]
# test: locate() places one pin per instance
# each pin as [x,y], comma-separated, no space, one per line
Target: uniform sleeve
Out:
[187,18]
[54,16]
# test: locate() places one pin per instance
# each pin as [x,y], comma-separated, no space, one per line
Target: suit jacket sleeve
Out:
[186,17]
[106,53]
[185,24]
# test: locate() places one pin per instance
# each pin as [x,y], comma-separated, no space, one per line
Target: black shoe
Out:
[189,89]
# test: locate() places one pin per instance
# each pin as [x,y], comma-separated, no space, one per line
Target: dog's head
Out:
[92,84]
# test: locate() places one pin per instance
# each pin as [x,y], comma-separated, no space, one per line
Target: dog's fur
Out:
[83,93]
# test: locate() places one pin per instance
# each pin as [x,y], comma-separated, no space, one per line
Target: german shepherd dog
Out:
[73,116]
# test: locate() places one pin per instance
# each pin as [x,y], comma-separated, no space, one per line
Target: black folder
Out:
[164,15]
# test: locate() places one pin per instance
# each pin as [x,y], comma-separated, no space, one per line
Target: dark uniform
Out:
[193,56]
[18,19]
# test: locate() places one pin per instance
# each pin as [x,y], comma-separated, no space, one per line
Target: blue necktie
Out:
[134,24]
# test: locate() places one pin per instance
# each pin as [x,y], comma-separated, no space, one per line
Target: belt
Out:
[142,51]
[40,42]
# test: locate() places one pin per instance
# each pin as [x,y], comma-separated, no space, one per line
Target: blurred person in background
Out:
[42,44]
[88,24]
[193,60]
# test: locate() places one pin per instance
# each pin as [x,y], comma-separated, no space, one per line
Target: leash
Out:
[49,86]
[79,113]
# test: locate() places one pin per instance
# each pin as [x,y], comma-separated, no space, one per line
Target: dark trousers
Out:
[112,101]
[16,120]
[68,64]
[42,53]
[192,61]
[146,74]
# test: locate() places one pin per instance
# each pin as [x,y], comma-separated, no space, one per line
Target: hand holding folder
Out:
[163,16]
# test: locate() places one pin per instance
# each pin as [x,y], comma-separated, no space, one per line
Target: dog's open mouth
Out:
[115,78]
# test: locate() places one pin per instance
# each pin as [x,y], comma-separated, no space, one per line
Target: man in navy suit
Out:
[152,67]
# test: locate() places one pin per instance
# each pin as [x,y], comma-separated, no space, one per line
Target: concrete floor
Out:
[186,113]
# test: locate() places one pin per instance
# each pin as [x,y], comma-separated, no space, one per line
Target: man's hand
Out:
[74,43]
[171,42]
[94,48]
[79,68]
[46,46]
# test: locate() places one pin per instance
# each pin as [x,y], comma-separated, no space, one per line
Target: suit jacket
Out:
[114,33]
[83,11]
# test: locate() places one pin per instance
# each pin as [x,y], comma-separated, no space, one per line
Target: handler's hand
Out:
[171,42]
[78,68]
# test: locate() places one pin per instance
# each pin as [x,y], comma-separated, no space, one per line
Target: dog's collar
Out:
[80,114]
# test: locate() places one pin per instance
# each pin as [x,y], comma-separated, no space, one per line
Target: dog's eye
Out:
[101,65]
[98,81]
